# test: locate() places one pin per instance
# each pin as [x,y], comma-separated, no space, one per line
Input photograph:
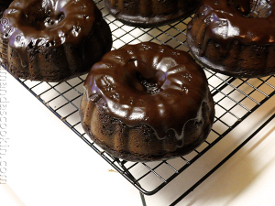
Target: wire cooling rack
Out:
[235,100]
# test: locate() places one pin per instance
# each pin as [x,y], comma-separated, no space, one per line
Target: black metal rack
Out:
[235,100]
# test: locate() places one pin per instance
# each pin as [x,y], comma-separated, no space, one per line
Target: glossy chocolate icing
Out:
[243,6]
[149,84]
[226,24]
[48,23]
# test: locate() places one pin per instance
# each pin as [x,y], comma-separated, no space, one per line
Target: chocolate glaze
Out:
[49,23]
[4,4]
[149,84]
[243,6]
[226,24]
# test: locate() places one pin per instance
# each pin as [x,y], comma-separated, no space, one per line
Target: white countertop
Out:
[45,163]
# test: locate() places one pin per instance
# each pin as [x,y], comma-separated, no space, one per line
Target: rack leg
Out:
[142,199]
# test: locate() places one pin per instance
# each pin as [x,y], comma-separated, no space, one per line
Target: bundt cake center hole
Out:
[252,8]
[53,19]
[150,85]
[41,15]
[145,77]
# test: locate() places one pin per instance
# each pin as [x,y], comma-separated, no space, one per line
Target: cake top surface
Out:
[149,84]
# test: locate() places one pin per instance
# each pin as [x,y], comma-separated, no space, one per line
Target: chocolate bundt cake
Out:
[49,40]
[235,37]
[147,102]
[148,13]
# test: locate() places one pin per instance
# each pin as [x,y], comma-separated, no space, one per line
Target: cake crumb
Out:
[63,118]
[111,170]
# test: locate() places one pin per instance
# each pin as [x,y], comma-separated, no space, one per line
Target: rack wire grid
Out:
[235,100]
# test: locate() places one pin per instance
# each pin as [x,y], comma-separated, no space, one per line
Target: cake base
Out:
[139,143]
[150,14]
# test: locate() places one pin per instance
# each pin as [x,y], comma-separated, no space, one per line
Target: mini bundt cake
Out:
[148,13]
[147,102]
[234,37]
[49,40]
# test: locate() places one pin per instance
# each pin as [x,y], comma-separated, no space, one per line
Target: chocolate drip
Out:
[225,24]
[149,84]
[50,23]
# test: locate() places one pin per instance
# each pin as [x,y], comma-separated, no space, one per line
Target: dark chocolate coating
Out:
[149,13]
[147,93]
[236,38]
[53,40]
[4,4]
